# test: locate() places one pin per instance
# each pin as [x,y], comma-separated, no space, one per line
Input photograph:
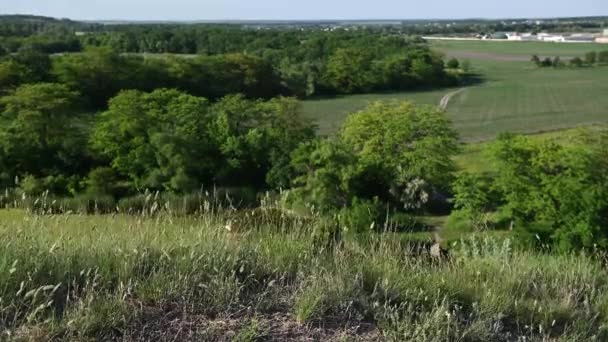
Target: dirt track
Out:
[445,100]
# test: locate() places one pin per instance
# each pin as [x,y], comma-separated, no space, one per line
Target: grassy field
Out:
[166,278]
[514,48]
[519,98]
[330,112]
[514,95]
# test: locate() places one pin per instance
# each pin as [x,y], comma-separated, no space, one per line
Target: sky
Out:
[302,9]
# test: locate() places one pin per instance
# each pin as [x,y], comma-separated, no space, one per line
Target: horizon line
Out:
[311,19]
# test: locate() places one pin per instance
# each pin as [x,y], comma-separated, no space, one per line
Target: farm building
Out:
[513,36]
[603,40]
[580,38]
[550,37]
[521,36]
[499,35]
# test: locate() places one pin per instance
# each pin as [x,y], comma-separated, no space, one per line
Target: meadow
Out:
[512,96]
[184,266]
[330,112]
[515,48]
[164,278]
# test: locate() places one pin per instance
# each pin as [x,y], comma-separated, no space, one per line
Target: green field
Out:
[330,112]
[513,96]
[515,48]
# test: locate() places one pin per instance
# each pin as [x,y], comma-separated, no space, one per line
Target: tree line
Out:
[99,74]
[590,59]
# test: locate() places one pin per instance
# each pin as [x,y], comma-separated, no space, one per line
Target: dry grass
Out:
[165,278]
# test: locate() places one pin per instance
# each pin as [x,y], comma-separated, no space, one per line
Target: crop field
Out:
[519,98]
[330,112]
[459,49]
[513,95]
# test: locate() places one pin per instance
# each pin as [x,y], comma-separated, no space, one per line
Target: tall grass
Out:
[168,277]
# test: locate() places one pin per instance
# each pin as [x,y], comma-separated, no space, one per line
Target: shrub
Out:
[576,62]
[557,62]
[591,57]
[364,216]
[602,57]
[536,60]
[103,181]
[453,63]
[558,194]
[472,196]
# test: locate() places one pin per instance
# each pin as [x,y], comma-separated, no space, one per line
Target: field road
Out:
[445,100]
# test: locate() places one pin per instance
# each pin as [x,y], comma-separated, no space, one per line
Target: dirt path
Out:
[445,100]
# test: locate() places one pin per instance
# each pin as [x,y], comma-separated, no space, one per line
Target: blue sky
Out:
[301,9]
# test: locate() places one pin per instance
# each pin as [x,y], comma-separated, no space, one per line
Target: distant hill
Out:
[21,25]
[33,18]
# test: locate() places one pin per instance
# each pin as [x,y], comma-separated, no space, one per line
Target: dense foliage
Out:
[553,194]
[395,153]
[390,64]
[180,123]
[168,140]
[163,140]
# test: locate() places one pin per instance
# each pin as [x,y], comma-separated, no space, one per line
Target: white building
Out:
[605,32]
[551,38]
[513,36]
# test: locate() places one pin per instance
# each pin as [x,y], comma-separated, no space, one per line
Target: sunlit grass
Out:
[102,277]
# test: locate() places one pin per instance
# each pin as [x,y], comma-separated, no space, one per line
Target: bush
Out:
[591,57]
[556,193]
[59,185]
[536,60]
[602,57]
[576,62]
[363,216]
[453,63]
[472,197]
[557,62]
[102,181]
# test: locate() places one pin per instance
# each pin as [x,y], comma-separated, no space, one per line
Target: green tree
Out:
[536,60]
[40,136]
[576,62]
[410,142]
[38,64]
[557,62]
[396,71]
[556,193]
[12,74]
[395,151]
[453,63]
[473,197]
[547,62]
[349,70]
[591,57]
[602,57]
[158,140]
[255,139]
[325,169]
[98,74]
